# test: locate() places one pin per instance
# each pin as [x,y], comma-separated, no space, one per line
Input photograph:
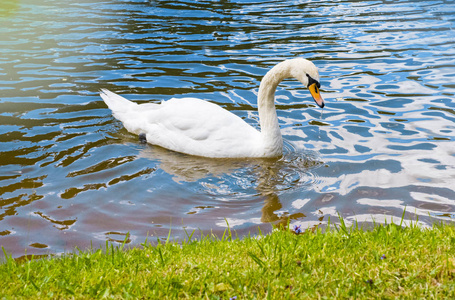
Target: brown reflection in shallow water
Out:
[26,183]
[73,192]
[145,171]
[25,258]
[39,245]
[197,209]
[271,205]
[104,165]
[117,237]
[61,225]
[11,205]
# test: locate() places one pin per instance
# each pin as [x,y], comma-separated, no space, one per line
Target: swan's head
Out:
[307,73]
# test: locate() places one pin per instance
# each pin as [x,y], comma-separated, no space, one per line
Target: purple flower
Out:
[233,298]
[297,229]
[383,256]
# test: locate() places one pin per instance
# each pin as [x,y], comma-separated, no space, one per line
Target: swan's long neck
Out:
[270,129]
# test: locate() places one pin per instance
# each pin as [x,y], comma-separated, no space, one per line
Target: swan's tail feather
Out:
[116,103]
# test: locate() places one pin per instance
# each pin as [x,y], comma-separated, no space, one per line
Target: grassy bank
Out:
[387,262]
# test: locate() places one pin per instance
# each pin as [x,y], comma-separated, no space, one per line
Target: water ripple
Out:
[70,174]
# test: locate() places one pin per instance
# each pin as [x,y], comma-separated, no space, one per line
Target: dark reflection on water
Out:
[70,175]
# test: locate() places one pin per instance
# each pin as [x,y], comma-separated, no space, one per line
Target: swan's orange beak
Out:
[316,95]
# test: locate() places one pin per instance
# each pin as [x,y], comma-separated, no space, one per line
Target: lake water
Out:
[71,175]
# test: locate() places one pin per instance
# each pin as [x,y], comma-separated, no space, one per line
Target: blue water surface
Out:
[71,175]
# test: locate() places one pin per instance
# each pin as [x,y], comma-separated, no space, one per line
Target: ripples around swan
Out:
[70,175]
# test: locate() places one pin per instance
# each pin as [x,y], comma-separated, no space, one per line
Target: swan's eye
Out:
[311,81]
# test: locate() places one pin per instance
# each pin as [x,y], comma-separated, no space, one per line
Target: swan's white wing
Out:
[199,127]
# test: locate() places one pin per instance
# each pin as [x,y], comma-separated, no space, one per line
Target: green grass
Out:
[386,262]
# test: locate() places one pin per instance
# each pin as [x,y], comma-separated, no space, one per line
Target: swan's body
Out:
[198,127]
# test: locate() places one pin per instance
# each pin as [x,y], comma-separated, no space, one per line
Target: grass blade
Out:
[256,259]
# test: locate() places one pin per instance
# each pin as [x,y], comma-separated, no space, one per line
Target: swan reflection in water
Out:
[243,178]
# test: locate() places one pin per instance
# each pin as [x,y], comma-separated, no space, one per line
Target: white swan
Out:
[201,128]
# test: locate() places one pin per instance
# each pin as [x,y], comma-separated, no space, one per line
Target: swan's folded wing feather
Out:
[198,127]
